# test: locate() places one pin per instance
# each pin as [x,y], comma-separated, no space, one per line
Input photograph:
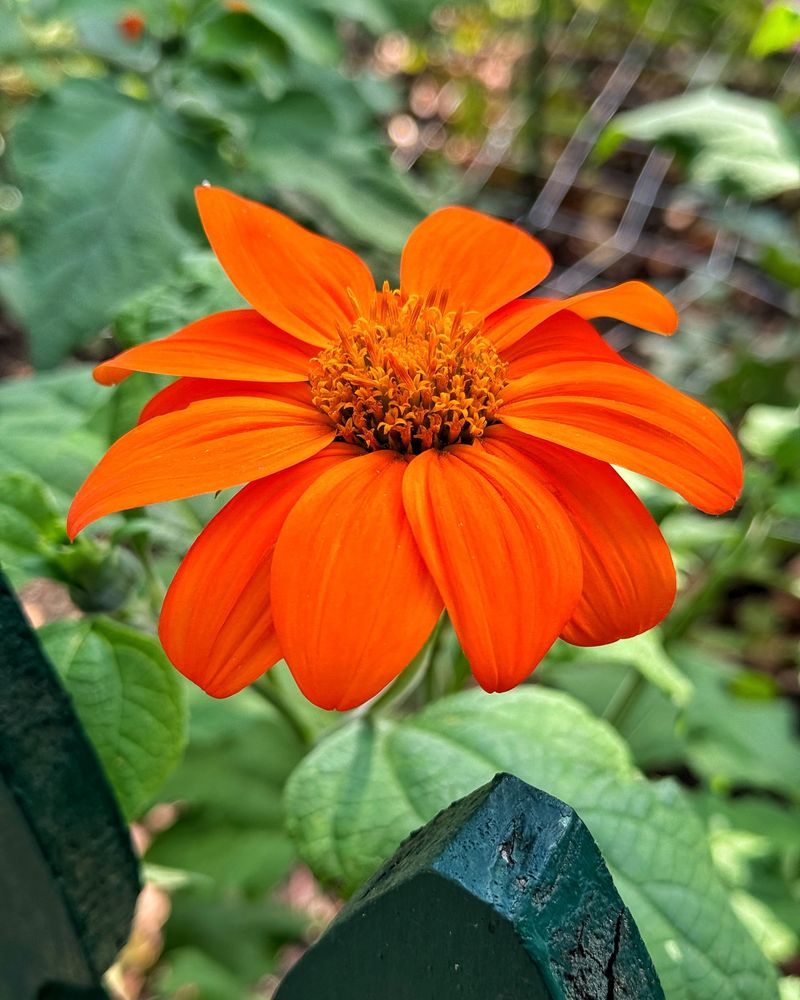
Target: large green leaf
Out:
[363,789]
[301,146]
[732,140]
[106,181]
[129,699]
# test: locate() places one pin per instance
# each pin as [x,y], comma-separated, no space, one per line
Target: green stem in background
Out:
[753,529]
[266,687]
[625,697]
[411,678]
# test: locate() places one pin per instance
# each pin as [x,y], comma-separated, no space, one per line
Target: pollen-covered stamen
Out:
[409,375]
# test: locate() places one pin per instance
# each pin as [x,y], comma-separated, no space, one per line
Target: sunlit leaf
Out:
[733,140]
[778,29]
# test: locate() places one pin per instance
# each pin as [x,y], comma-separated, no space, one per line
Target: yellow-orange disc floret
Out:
[409,375]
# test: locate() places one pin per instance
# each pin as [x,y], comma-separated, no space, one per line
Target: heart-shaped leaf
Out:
[363,789]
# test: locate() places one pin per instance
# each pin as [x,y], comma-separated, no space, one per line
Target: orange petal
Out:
[351,597]
[502,552]
[628,576]
[480,262]
[212,444]
[631,302]
[183,391]
[238,344]
[296,279]
[562,337]
[620,414]
[216,624]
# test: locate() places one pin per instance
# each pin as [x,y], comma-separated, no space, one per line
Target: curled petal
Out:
[239,344]
[480,262]
[620,414]
[632,302]
[216,624]
[628,575]
[294,278]
[503,553]
[210,445]
[351,597]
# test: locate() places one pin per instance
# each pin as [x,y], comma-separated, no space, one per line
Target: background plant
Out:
[356,116]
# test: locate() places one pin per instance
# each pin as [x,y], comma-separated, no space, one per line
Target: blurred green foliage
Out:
[112,129]
[108,117]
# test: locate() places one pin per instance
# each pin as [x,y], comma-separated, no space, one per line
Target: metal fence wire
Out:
[643,184]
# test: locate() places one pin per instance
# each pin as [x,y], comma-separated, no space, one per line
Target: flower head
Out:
[444,444]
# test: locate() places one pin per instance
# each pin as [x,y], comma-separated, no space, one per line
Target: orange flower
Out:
[441,444]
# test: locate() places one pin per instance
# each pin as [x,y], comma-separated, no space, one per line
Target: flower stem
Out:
[411,678]
[625,697]
[266,687]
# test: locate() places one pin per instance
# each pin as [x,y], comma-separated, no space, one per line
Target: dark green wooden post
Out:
[503,896]
[68,876]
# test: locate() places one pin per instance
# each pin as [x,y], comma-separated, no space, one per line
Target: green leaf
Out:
[195,289]
[230,830]
[778,29]
[735,740]
[105,180]
[129,699]
[28,519]
[363,789]
[733,141]
[299,145]
[230,783]
[645,653]
[48,430]
[766,428]
[754,847]
[308,32]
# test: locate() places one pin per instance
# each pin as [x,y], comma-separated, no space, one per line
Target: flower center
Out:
[409,376]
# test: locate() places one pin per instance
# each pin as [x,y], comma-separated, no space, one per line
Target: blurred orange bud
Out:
[131,25]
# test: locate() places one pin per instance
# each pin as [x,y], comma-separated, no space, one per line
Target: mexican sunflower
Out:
[444,444]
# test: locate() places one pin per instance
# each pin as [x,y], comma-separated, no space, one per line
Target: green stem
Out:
[411,678]
[625,697]
[270,692]
[753,528]
[752,531]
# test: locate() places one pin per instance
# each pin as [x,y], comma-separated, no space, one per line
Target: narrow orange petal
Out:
[212,444]
[503,553]
[628,575]
[239,344]
[562,337]
[620,414]
[480,262]
[351,597]
[183,391]
[632,302]
[294,278]
[216,624]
